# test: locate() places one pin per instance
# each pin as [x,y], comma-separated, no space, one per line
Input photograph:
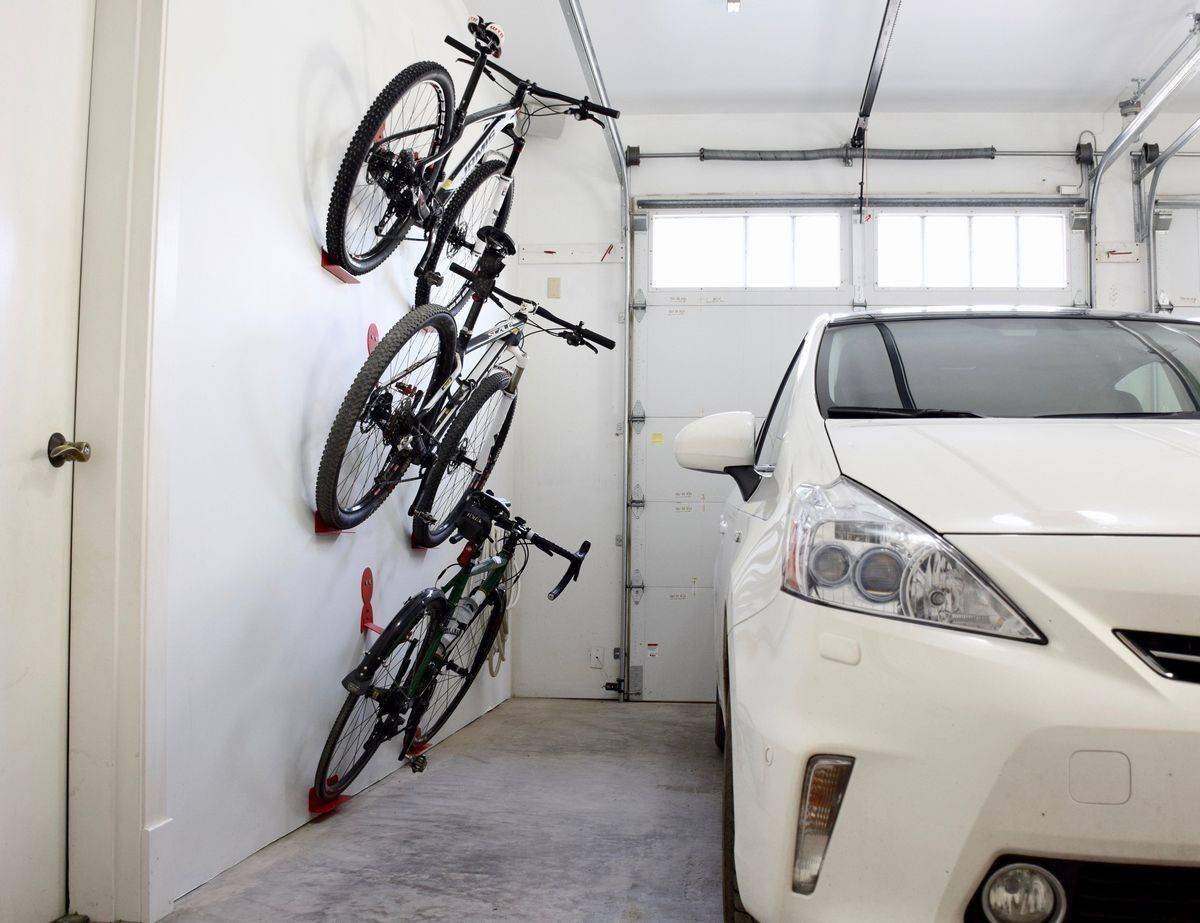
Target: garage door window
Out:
[971,251]
[747,251]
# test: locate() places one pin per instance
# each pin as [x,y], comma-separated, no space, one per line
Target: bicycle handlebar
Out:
[598,338]
[576,559]
[585,105]
[496,511]
[576,330]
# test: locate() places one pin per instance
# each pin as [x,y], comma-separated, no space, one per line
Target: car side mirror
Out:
[721,443]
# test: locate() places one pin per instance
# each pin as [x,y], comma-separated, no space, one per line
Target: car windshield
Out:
[1019,366]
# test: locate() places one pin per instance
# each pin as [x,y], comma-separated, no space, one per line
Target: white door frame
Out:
[110,807]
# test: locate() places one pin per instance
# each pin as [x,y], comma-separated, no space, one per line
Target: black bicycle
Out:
[418,670]
[394,175]
[415,402]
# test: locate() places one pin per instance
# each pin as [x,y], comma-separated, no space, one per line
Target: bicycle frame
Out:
[501,118]
[506,337]
[455,589]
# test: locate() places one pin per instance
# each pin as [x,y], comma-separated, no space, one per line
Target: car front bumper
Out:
[967,747]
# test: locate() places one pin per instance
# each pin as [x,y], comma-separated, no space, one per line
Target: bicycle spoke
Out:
[460,239]
[368,454]
[460,474]
[418,111]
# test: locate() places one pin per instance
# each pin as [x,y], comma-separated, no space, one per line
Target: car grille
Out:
[1172,656]
[1110,892]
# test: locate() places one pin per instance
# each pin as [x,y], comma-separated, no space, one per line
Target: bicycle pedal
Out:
[418,763]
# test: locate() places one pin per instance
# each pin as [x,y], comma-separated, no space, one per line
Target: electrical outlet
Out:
[596,658]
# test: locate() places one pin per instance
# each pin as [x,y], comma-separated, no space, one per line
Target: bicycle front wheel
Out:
[453,473]
[469,209]
[369,445]
[463,662]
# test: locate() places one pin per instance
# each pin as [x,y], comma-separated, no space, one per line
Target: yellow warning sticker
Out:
[656,438]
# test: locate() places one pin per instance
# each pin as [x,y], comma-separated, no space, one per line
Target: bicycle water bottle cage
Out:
[488,35]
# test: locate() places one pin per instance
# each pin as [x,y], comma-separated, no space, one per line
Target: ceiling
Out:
[680,56]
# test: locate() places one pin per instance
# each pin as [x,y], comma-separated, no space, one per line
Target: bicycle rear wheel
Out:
[371,717]
[370,442]
[371,207]
[452,475]
[467,654]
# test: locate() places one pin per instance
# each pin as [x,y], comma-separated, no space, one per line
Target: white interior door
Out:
[45,50]
[695,352]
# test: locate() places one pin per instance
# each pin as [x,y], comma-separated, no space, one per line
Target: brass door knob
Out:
[60,451]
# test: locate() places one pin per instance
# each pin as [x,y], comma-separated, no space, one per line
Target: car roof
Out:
[994,311]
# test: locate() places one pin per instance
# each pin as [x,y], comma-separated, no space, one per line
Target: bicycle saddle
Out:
[489,36]
[493,237]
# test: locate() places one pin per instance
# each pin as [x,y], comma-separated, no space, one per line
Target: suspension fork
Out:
[507,397]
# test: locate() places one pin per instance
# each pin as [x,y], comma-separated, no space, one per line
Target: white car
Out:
[958,621]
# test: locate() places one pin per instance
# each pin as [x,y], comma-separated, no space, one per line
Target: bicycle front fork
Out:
[507,396]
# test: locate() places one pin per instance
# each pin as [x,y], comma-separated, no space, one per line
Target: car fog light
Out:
[825,782]
[1022,893]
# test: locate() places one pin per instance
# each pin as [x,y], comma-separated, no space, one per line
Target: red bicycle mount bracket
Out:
[366,619]
[338,272]
[319,805]
[321,527]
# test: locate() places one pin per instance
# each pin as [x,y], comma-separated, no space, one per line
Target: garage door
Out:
[721,318]
[722,298]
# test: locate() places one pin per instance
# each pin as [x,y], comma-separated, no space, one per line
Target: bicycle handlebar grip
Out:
[603,110]
[462,271]
[598,338]
[459,46]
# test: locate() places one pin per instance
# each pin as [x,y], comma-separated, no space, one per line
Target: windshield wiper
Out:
[1136,414]
[843,411]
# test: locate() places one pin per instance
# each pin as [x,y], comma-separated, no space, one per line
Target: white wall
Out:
[568,423]
[568,193]
[254,347]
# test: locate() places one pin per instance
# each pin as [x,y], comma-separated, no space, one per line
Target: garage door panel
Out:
[654,449]
[677,543]
[779,331]
[682,364]
[676,646]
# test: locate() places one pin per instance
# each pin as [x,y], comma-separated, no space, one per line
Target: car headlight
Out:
[851,549]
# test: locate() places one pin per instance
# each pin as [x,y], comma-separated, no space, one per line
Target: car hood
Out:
[1079,477]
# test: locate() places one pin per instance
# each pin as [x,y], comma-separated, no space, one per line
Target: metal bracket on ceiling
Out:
[882,44]
[1132,131]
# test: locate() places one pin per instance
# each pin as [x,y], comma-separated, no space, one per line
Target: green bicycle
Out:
[420,667]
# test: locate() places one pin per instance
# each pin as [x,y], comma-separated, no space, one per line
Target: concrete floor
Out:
[544,809]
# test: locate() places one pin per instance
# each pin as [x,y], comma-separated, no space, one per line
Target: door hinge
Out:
[637,416]
[636,587]
[637,500]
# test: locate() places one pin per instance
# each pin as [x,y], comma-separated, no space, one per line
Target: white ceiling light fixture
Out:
[734,6]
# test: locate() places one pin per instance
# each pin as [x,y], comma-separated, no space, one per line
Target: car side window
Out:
[774,428]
